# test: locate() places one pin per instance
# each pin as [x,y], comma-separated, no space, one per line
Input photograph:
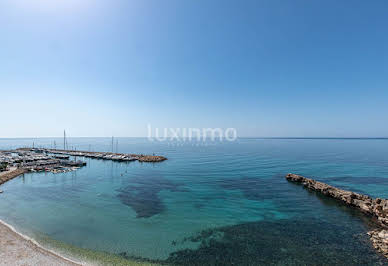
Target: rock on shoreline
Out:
[377,208]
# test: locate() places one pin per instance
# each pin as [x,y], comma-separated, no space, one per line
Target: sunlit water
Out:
[209,203]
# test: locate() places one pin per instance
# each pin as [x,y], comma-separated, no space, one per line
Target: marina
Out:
[16,162]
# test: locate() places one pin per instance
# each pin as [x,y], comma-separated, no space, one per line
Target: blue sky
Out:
[266,68]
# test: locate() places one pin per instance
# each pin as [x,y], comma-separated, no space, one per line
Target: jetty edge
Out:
[10,174]
[377,208]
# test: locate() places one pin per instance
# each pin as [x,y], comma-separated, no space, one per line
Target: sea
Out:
[211,203]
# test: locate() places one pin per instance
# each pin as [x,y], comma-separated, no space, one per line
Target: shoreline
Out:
[27,249]
[17,248]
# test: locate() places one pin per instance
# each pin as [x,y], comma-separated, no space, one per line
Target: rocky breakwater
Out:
[150,158]
[377,208]
[10,174]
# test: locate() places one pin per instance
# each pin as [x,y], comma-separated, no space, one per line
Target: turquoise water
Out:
[214,203]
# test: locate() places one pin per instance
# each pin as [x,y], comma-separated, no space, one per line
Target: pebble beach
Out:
[15,249]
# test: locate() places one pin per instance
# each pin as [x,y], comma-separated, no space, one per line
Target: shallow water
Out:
[210,203]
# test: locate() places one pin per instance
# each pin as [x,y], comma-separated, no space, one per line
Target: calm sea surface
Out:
[213,203]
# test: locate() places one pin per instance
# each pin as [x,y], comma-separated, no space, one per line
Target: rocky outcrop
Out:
[377,208]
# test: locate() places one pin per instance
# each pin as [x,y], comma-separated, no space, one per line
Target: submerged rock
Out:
[277,242]
[142,194]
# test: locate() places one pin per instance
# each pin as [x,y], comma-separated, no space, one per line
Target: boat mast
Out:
[64,139]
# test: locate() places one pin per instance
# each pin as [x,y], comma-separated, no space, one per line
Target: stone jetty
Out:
[377,208]
[11,173]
